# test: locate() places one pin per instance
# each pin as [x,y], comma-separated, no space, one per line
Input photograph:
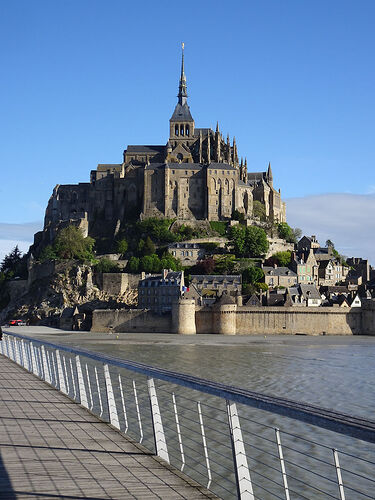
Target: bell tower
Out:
[181,124]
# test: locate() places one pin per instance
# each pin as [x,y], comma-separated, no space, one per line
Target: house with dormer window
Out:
[279,276]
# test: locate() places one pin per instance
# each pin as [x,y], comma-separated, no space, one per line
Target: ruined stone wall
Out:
[130,320]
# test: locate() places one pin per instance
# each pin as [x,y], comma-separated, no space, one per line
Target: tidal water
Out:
[334,372]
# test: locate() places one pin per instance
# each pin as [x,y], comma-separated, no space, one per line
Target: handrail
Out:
[341,423]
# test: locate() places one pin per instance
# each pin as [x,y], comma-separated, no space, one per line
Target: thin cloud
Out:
[346,219]
[17,234]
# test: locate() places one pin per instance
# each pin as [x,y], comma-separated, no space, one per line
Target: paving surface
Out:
[50,447]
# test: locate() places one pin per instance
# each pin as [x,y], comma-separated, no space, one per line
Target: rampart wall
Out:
[130,320]
[234,320]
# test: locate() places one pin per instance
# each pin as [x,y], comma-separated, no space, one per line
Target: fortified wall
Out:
[230,319]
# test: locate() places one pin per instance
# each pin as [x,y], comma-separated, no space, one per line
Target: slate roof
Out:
[215,278]
[181,113]
[184,245]
[276,299]
[278,271]
[310,292]
[145,149]
[204,131]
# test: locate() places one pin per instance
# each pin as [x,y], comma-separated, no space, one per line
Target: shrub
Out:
[219,227]
[106,266]
[71,244]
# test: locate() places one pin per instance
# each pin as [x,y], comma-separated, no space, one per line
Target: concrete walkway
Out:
[50,448]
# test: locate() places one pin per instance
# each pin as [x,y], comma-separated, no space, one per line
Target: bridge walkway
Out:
[51,447]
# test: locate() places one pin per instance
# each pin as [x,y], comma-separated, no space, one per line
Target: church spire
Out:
[269,174]
[182,88]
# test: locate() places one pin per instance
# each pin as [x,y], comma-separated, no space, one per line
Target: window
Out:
[182,130]
[176,130]
[187,130]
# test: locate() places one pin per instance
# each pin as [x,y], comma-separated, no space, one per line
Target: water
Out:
[332,372]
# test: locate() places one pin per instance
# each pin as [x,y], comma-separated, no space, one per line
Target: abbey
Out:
[196,175]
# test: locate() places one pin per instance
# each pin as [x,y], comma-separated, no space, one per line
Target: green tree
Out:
[252,275]
[256,242]
[106,266]
[286,232]
[248,241]
[237,215]
[259,210]
[237,239]
[149,247]
[282,259]
[71,244]
[225,264]
[297,233]
[133,265]
[48,253]
[11,262]
[122,246]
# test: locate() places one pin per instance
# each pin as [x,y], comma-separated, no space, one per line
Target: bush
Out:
[122,246]
[286,232]
[237,215]
[106,266]
[282,259]
[71,244]
[259,210]
[248,241]
[225,264]
[219,227]
[133,265]
[252,275]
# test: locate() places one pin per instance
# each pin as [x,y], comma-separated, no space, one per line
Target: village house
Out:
[158,292]
[306,270]
[216,285]
[188,253]
[279,276]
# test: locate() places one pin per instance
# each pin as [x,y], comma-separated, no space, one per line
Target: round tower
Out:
[226,319]
[183,317]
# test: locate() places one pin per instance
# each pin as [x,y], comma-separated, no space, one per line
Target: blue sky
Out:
[292,80]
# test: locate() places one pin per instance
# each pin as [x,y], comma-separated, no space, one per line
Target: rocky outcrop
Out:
[69,285]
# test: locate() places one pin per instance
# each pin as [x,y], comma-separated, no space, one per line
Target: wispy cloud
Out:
[17,234]
[346,219]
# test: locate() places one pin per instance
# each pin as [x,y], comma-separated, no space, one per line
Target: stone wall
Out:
[231,320]
[117,283]
[278,245]
[130,320]
[282,320]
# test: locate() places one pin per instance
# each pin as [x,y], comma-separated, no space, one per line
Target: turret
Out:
[209,147]
[229,156]
[218,143]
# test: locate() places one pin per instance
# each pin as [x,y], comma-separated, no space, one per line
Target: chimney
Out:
[165,272]
[143,275]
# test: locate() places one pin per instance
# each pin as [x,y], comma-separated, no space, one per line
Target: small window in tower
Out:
[187,130]
[182,130]
[176,130]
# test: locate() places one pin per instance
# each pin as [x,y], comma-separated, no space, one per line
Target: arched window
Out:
[176,130]
[181,130]
[187,130]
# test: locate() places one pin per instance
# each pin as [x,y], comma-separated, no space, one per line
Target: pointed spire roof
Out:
[182,88]
[182,110]
[269,171]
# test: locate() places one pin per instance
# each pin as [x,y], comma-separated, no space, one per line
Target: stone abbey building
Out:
[196,175]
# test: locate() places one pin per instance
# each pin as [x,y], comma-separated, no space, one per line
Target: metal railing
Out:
[217,434]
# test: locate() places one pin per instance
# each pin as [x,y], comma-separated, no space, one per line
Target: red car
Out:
[16,322]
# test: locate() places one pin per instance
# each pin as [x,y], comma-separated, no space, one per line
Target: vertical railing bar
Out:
[18,352]
[112,409]
[47,374]
[123,403]
[241,467]
[66,378]
[282,464]
[61,378]
[138,412]
[89,385]
[33,359]
[338,473]
[50,366]
[179,436]
[54,368]
[99,392]
[157,424]
[204,445]
[73,379]
[81,383]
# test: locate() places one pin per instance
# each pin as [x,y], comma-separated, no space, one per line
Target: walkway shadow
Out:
[6,489]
